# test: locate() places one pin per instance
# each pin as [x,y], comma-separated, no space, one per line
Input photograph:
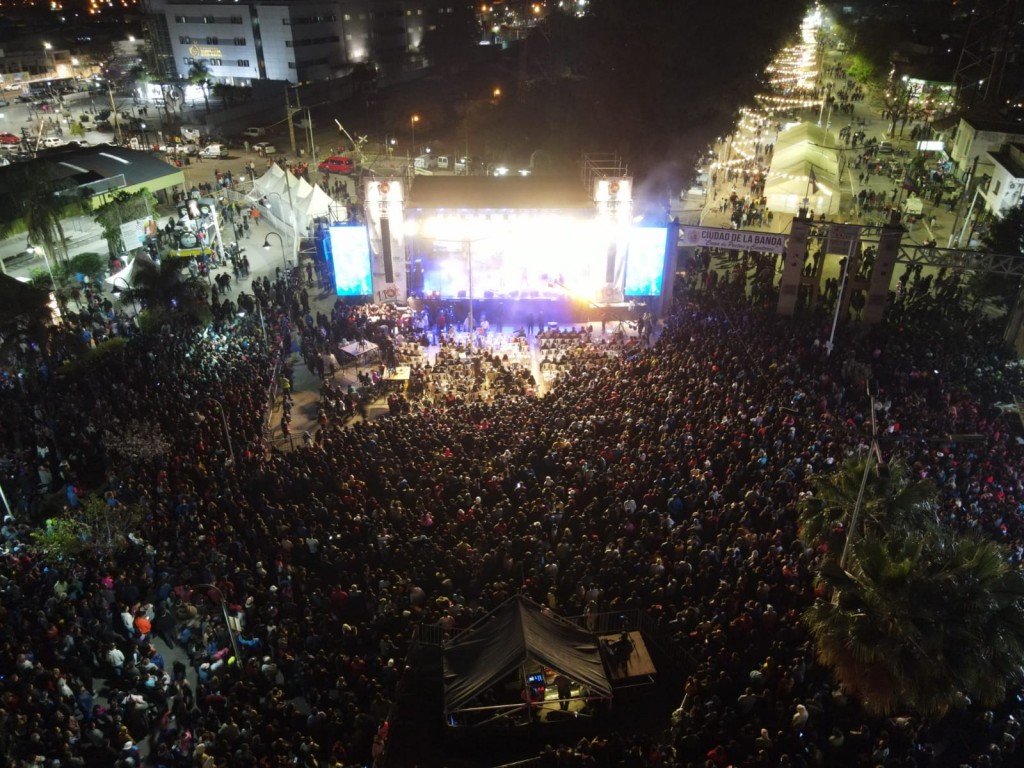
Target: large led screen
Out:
[350,253]
[645,261]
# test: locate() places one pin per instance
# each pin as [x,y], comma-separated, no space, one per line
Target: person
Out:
[564,687]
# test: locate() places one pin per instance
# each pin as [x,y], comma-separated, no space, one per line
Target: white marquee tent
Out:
[804,153]
[286,194]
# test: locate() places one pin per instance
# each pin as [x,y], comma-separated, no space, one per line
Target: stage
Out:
[359,353]
[636,668]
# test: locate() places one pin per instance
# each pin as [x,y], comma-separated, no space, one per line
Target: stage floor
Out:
[638,665]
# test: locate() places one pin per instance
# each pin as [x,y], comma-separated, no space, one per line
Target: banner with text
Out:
[732,239]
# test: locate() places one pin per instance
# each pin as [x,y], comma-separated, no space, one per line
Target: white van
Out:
[442,163]
[426,162]
[213,151]
[254,133]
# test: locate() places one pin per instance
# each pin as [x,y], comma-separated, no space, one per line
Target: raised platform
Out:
[626,658]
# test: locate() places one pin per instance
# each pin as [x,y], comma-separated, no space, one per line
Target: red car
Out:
[337,164]
[9,138]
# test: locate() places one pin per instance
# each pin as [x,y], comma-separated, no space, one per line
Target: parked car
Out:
[467,166]
[9,138]
[214,151]
[337,164]
[51,141]
[254,133]
[885,148]
[264,148]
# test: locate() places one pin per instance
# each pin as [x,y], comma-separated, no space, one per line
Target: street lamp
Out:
[266,247]
[224,421]
[34,249]
[49,57]
[412,124]
[228,620]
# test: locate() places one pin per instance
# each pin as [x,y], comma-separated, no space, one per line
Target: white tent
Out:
[316,204]
[285,192]
[805,165]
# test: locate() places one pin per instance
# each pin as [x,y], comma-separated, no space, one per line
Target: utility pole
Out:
[113,112]
[291,112]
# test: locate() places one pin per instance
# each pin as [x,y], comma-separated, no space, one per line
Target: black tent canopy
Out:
[507,641]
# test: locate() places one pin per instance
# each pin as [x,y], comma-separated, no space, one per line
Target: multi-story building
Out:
[1006,188]
[976,139]
[294,40]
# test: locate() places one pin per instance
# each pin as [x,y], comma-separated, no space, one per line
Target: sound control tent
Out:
[504,647]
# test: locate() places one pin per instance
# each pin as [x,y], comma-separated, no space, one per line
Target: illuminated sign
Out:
[205,52]
[732,239]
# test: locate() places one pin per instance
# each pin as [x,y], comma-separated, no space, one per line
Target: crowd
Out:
[664,479]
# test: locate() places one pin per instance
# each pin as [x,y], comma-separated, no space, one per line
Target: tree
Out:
[893,503]
[199,74]
[1004,236]
[166,293]
[123,207]
[38,198]
[918,623]
[96,526]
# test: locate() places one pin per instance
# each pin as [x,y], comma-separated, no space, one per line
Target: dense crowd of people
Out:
[664,479]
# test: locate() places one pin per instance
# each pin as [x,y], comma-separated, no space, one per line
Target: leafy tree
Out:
[863,69]
[167,293]
[893,503]
[96,526]
[38,198]
[1005,236]
[123,207]
[199,74]
[917,623]
[91,264]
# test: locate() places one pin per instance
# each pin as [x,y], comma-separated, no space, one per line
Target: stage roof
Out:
[513,634]
[497,192]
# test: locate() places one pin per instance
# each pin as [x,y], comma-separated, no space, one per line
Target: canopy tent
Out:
[504,644]
[315,204]
[292,194]
[805,164]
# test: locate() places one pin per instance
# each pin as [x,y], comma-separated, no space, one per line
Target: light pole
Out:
[412,125]
[49,57]
[266,247]
[34,249]
[224,421]
[227,619]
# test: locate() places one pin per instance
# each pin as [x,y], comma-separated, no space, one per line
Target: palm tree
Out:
[893,501]
[38,198]
[199,74]
[918,623]
[166,293]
